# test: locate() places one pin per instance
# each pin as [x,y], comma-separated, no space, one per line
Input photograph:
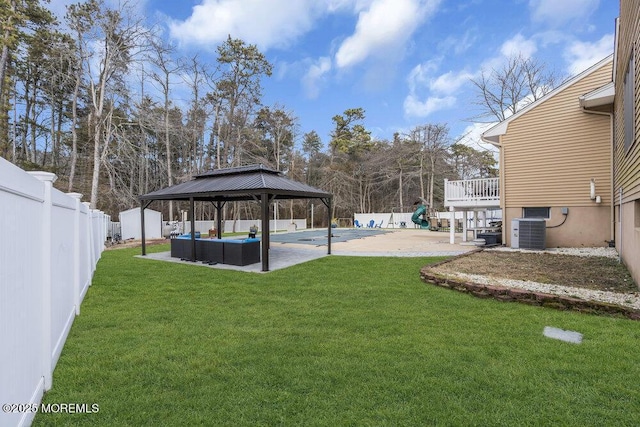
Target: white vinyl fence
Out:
[48,253]
[242,225]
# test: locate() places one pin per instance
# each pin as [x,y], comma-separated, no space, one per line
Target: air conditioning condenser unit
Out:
[529,233]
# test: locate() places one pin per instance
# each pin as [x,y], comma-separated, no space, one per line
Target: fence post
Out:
[76,252]
[89,248]
[103,233]
[47,179]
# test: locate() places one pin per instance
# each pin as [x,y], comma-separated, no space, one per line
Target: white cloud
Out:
[273,23]
[338,5]
[459,45]
[314,76]
[518,45]
[450,82]
[556,13]
[582,55]
[470,136]
[420,78]
[441,89]
[413,107]
[382,29]
[515,46]
[419,75]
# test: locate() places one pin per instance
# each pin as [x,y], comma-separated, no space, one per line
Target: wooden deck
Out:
[472,195]
[468,194]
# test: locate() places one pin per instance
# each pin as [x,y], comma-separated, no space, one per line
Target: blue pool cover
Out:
[318,237]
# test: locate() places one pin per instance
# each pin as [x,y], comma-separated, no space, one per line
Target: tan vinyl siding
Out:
[627,162]
[552,152]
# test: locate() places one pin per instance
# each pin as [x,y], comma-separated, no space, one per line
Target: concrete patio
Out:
[299,248]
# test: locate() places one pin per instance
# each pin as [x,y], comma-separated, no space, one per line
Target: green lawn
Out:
[336,341]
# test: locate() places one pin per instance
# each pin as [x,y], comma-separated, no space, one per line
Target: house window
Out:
[535,212]
[629,104]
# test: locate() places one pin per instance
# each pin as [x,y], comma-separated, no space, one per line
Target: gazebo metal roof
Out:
[239,183]
[253,182]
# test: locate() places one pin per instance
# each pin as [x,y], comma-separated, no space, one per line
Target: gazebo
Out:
[254,182]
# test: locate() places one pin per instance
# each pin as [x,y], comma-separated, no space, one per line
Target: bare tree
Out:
[399,162]
[196,76]
[79,17]
[117,33]
[164,68]
[433,140]
[503,92]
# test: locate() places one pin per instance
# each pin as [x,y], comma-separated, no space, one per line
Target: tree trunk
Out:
[422,191]
[167,142]
[431,179]
[4,103]
[74,133]
[34,120]
[95,178]
[400,190]
[52,131]
[4,57]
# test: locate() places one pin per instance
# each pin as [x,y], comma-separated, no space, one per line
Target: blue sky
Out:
[406,62]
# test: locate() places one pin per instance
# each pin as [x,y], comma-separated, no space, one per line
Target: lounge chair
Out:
[371,224]
[357,224]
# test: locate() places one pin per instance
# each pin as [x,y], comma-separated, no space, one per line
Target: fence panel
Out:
[62,272]
[86,263]
[46,266]
[98,237]
[21,298]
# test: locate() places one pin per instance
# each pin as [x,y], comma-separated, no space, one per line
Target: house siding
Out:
[627,158]
[550,154]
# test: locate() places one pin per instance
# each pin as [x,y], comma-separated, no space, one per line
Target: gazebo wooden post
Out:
[327,203]
[265,231]
[219,206]
[143,206]
[192,219]
[144,245]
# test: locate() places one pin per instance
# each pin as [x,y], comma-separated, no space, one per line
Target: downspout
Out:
[620,214]
[612,213]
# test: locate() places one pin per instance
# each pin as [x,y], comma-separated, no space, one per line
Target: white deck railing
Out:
[472,192]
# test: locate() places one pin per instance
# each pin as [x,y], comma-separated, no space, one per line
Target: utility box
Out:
[529,233]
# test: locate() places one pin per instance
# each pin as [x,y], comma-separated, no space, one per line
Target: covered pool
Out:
[319,237]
